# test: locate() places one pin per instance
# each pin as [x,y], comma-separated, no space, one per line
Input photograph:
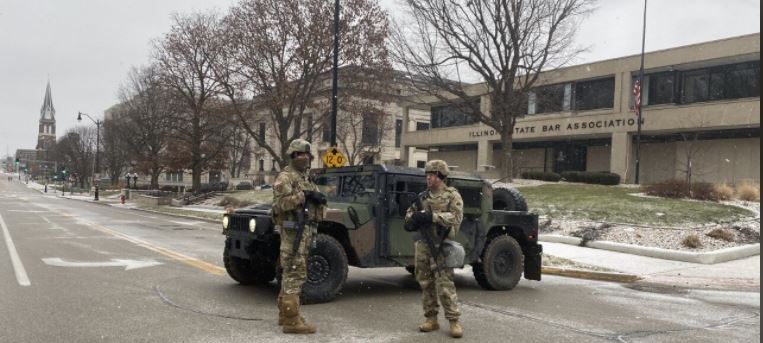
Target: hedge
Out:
[597,178]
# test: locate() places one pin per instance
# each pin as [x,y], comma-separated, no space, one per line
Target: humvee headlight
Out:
[226,221]
[252,225]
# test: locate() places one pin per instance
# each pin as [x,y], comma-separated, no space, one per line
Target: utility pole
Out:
[335,80]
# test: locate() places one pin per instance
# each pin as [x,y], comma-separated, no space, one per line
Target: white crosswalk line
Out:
[18,267]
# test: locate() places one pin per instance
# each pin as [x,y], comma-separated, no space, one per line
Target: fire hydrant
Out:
[122,197]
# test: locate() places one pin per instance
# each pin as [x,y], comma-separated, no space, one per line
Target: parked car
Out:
[244,186]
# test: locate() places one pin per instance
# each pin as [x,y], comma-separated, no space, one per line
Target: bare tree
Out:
[146,117]
[692,151]
[115,150]
[503,43]
[362,128]
[277,62]
[76,151]
[239,151]
[185,56]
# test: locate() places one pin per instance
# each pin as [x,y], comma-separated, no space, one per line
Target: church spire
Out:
[46,137]
[48,112]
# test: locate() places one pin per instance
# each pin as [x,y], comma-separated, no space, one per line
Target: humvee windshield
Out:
[354,188]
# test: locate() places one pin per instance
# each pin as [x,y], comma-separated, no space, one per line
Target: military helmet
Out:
[299,145]
[437,166]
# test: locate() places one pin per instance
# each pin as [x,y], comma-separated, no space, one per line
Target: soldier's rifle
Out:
[302,215]
[430,236]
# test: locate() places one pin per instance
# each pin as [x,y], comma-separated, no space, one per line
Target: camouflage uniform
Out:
[286,200]
[447,209]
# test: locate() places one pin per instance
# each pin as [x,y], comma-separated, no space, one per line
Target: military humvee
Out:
[364,228]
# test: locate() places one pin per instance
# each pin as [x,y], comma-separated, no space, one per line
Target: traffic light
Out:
[17,162]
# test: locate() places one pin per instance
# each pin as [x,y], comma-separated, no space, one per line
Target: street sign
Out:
[334,158]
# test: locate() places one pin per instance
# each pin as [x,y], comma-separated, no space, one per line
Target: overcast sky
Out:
[86,47]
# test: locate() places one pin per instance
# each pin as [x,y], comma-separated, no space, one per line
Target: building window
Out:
[735,81]
[660,88]
[273,166]
[549,99]
[421,164]
[398,132]
[262,165]
[174,176]
[263,127]
[696,86]
[422,126]
[371,127]
[595,94]
[454,115]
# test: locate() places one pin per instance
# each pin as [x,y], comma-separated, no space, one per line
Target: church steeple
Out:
[47,134]
[48,112]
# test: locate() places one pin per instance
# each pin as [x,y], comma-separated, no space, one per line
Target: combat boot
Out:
[281,316]
[456,331]
[429,325]
[293,323]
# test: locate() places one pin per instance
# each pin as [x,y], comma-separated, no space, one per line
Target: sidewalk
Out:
[740,275]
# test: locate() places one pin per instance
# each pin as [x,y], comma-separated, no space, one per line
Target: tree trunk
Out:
[507,141]
[155,179]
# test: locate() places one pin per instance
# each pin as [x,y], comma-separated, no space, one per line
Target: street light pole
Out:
[97,168]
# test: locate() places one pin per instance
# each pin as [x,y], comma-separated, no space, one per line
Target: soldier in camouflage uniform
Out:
[289,197]
[443,208]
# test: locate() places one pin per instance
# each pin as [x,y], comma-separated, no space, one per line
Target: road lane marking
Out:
[46,220]
[191,261]
[18,267]
[115,262]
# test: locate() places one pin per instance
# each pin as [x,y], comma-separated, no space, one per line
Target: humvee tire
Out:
[502,264]
[247,272]
[508,199]
[326,270]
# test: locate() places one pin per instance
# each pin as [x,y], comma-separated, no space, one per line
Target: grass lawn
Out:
[614,204]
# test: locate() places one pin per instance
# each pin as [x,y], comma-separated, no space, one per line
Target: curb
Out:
[176,215]
[712,257]
[590,275]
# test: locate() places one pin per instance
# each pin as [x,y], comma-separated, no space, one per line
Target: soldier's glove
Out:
[410,226]
[442,231]
[423,218]
[316,198]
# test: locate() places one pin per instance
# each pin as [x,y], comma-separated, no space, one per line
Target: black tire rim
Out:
[503,263]
[318,269]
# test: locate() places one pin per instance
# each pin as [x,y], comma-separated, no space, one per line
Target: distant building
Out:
[701,108]
[46,137]
[36,161]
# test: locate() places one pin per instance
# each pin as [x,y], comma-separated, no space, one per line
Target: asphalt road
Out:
[72,271]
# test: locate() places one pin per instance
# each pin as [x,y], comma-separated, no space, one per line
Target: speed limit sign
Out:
[334,158]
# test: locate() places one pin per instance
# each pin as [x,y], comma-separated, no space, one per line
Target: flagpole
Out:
[641,99]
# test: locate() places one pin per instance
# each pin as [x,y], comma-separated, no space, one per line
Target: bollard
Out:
[122,197]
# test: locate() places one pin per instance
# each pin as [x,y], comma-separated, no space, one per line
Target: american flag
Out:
[637,98]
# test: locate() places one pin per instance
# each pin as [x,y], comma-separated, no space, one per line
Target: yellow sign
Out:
[334,159]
